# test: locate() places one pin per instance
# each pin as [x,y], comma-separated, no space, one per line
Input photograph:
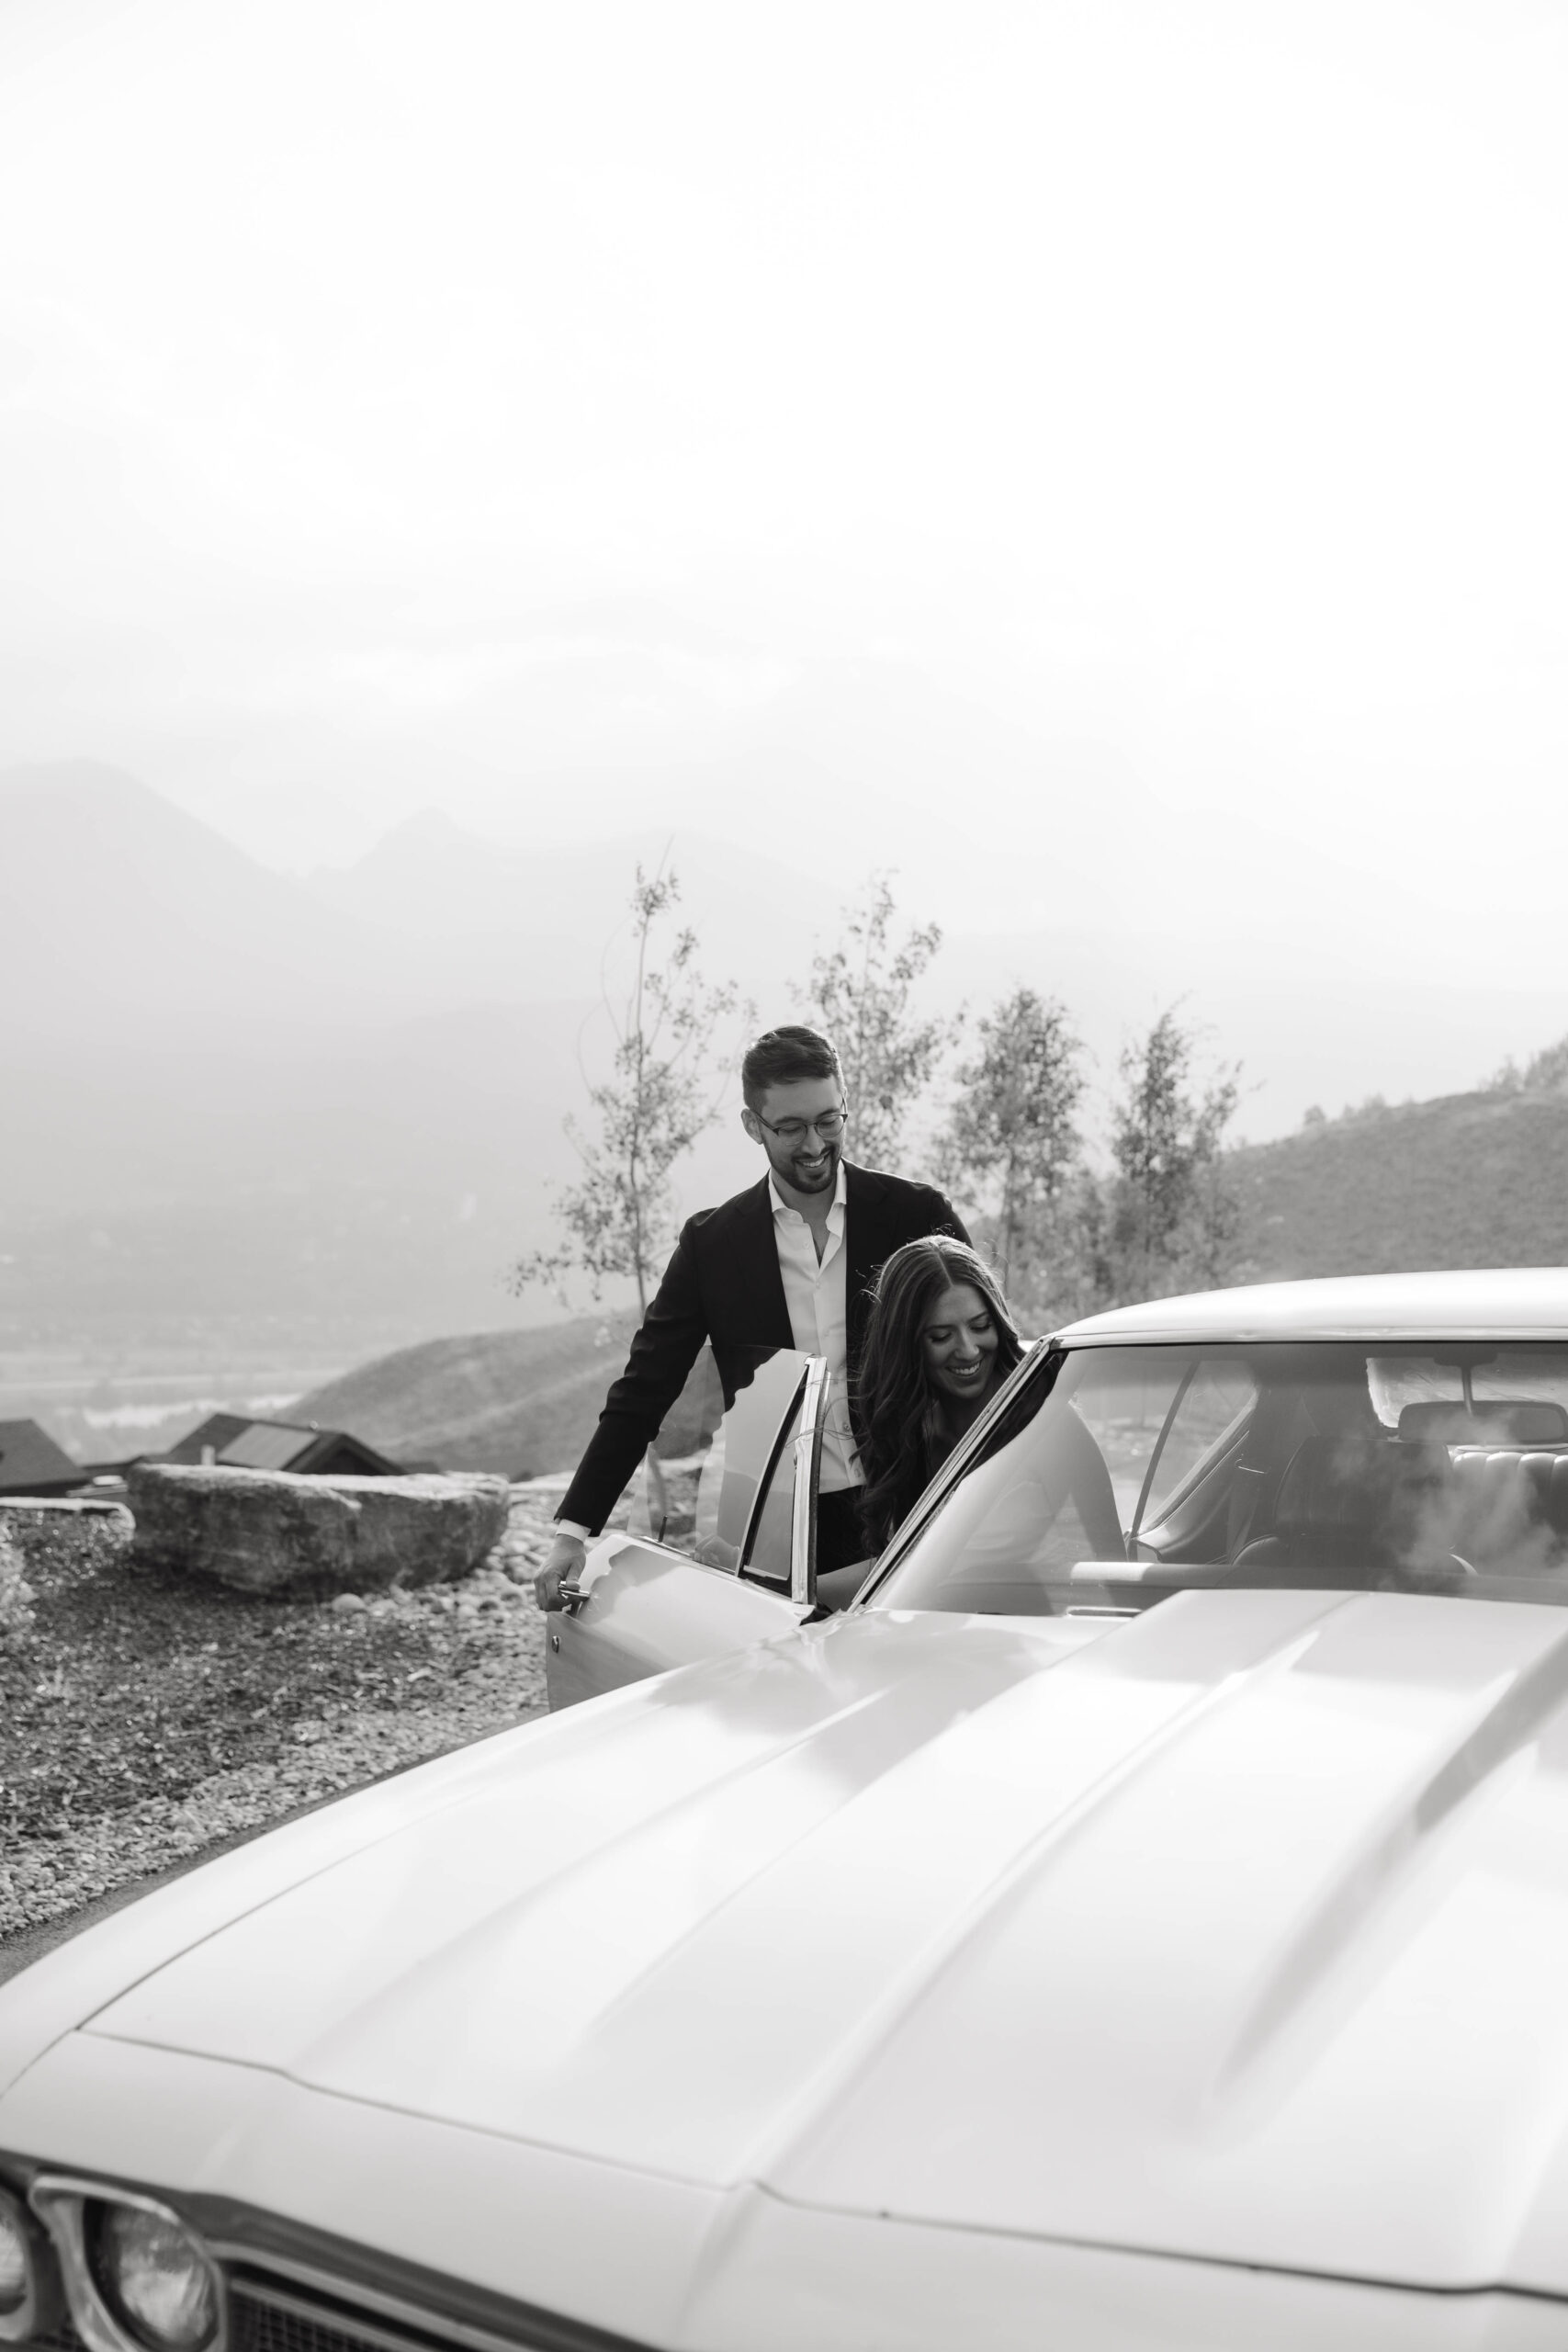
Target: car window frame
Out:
[800,1434]
[1157,1456]
[804,1416]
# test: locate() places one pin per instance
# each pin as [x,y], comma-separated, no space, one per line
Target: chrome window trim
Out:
[58,2200]
[952,1469]
[807,1471]
[799,1405]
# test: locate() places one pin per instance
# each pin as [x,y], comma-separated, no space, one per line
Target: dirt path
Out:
[19,1950]
[146,1725]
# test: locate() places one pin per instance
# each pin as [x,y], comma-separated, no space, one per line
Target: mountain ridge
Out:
[1474,1178]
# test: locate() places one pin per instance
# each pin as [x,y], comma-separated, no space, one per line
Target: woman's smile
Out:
[959,1339]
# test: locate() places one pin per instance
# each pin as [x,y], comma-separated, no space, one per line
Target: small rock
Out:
[346,1604]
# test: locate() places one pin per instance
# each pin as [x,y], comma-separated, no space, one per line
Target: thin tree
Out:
[860,993]
[1013,1133]
[618,1218]
[1175,1218]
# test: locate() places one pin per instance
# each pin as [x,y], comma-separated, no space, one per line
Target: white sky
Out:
[578,416]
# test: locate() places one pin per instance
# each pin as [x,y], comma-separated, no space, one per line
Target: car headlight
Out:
[155,2276]
[29,2284]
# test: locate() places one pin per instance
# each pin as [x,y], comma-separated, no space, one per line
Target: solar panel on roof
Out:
[264,1446]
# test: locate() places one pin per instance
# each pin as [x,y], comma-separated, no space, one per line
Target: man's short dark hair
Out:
[782,1056]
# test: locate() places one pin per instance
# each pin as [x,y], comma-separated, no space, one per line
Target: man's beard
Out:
[822,1180]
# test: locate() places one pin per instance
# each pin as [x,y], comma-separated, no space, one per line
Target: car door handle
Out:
[572,1597]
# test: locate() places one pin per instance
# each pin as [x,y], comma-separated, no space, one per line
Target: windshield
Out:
[1118,1475]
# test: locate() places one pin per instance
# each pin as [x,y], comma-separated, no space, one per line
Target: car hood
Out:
[1239,1930]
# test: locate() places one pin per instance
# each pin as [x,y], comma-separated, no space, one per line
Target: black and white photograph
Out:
[783,1176]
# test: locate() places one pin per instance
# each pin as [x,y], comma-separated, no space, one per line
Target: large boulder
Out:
[270,1531]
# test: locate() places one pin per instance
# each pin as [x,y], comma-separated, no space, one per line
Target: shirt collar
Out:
[835,1216]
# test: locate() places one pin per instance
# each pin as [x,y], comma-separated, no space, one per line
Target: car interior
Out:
[1323,1465]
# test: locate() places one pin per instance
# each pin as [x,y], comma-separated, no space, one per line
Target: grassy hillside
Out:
[520,1402]
[1468,1180]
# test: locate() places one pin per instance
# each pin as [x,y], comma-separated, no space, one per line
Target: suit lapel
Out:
[764,1319]
[868,1242]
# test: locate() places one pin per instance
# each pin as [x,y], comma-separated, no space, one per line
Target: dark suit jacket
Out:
[723,1284]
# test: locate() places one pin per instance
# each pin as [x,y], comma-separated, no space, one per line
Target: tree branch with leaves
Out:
[1012,1136]
[860,995]
[1175,1218]
[618,1218]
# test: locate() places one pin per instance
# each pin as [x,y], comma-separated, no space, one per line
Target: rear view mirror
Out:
[1493,1420]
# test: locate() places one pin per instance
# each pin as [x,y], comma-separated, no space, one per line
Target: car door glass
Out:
[1123,1398]
[720,1485]
[1208,1410]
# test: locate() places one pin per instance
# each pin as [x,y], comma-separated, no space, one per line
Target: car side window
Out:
[1123,1398]
[1209,1406]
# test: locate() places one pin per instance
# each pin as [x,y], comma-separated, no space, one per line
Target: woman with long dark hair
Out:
[939,1341]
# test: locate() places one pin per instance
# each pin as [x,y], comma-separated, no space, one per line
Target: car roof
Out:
[1493,1303]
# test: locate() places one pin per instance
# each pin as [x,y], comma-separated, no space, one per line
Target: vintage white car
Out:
[1139,1920]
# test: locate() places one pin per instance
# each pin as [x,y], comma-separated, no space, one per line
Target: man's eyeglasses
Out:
[829,1126]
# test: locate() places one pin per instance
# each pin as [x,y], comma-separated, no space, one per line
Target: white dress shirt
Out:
[817,1296]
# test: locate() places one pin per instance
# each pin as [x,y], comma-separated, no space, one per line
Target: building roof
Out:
[1493,1303]
[266,1445]
[239,1443]
[30,1462]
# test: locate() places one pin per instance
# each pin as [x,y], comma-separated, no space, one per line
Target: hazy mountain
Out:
[233,1108]
[532,923]
[127,925]
[125,922]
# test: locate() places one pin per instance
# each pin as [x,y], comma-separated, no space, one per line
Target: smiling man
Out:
[787,1263]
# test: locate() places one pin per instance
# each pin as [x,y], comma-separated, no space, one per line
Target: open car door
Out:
[720,1548]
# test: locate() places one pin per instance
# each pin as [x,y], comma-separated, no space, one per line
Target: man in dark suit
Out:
[787,1263]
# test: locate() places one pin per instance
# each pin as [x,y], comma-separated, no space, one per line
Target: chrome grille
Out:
[266,2317]
[307,2312]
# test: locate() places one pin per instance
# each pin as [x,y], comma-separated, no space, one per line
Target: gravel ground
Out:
[145,1718]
